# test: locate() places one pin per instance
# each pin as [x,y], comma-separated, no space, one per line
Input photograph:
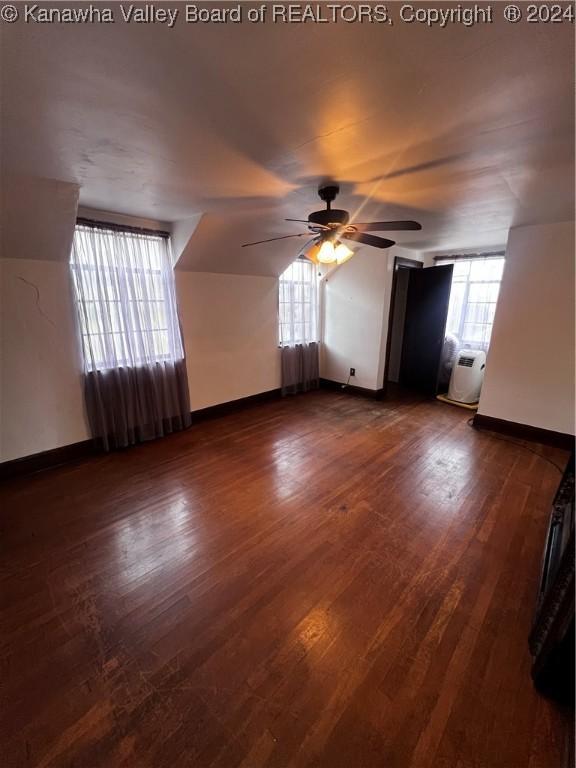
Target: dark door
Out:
[396,319]
[424,327]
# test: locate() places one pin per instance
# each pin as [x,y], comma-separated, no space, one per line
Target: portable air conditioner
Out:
[467,376]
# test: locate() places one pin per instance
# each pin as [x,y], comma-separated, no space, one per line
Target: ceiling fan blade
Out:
[284,237]
[387,226]
[310,223]
[377,242]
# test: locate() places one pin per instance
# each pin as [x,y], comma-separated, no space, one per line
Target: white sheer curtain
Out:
[298,304]
[126,299]
[136,385]
[473,298]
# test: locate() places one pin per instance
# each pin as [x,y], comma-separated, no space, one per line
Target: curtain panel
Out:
[130,405]
[135,379]
[300,368]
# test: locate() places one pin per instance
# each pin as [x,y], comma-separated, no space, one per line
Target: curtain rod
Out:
[121,227]
[468,256]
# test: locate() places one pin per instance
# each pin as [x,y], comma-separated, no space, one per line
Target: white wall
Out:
[38,217]
[230,329]
[41,404]
[356,300]
[530,367]
[229,325]
[353,301]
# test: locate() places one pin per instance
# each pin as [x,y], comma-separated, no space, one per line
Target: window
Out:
[125,295]
[298,304]
[473,297]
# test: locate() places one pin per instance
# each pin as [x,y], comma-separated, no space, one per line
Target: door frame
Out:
[400,262]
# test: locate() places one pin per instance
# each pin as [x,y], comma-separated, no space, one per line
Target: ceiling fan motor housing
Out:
[328,192]
[328,217]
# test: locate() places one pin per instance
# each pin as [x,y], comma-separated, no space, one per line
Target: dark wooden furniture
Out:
[552,636]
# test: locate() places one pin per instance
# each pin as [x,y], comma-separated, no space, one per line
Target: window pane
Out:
[479,313]
[96,284]
[298,313]
[457,296]
[487,269]
[475,332]
[461,269]
[483,292]
[161,343]
[119,346]
[93,318]
[93,348]
[152,286]
[285,313]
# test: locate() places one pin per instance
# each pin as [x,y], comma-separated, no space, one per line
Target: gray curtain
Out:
[129,405]
[300,368]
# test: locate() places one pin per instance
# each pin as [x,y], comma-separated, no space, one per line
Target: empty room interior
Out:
[287,385]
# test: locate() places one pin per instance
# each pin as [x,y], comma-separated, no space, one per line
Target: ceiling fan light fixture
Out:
[311,253]
[342,253]
[327,253]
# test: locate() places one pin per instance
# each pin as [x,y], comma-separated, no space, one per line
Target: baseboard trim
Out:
[55,457]
[352,389]
[524,431]
[68,454]
[231,406]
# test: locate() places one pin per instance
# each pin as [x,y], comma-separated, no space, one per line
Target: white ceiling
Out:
[468,130]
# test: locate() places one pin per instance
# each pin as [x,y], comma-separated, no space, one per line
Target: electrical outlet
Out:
[352,371]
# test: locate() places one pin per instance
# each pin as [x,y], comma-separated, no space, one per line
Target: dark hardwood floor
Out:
[323,581]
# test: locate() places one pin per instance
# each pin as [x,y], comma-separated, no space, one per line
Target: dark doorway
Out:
[416,327]
[396,317]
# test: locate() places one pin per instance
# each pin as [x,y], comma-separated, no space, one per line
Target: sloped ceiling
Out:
[468,130]
[37,217]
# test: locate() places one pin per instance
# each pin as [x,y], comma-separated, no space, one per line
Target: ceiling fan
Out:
[330,226]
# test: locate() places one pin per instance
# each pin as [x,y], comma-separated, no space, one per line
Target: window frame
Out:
[118,275]
[310,319]
[468,283]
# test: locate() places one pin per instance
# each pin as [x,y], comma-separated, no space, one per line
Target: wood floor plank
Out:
[320,581]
